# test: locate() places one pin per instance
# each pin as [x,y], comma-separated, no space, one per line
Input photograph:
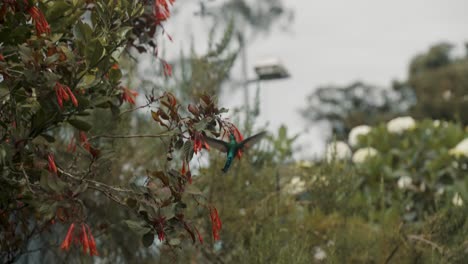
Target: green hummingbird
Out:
[232,147]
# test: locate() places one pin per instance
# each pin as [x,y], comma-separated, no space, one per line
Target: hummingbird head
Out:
[232,137]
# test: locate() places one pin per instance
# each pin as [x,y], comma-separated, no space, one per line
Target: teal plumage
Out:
[232,147]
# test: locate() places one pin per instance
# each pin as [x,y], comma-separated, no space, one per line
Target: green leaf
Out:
[147,239]
[137,227]
[188,150]
[87,81]
[191,189]
[56,10]
[167,212]
[122,32]
[80,124]
[94,52]
[82,31]
[51,59]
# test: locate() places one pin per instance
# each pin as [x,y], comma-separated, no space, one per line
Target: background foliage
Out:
[126,178]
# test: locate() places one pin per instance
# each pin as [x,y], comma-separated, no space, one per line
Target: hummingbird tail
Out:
[227,165]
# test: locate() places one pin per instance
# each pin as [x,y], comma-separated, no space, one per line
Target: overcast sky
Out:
[333,42]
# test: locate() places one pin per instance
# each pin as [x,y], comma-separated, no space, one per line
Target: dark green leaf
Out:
[80,124]
[147,239]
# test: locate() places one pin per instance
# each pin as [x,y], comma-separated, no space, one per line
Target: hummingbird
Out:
[232,147]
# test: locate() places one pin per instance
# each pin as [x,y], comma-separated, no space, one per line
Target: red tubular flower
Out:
[92,243]
[52,166]
[64,93]
[167,68]
[72,96]
[199,142]
[2,58]
[129,95]
[68,238]
[159,225]
[161,10]
[42,26]
[84,239]
[215,222]
[58,94]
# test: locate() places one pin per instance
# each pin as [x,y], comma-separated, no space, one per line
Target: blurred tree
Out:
[353,105]
[437,87]
[440,84]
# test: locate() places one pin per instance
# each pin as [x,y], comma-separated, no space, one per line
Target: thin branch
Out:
[422,239]
[96,184]
[28,183]
[133,136]
[134,109]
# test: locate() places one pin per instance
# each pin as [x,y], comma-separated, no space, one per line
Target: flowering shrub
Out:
[59,63]
[422,167]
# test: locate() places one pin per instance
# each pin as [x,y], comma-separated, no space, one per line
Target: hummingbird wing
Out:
[250,141]
[217,144]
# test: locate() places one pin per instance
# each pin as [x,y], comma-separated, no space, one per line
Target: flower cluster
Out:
[85,237]
[129,95]
[161,10]
[461,149]
[42,26]
[356,132]
[215,222]
[337,150]
[296,186]
[40,22]
[199,142]
[363,154]
[404,182]
[64,93]
[400,124]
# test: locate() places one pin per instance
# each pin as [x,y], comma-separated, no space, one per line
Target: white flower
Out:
[337,150]
[461,149]
[400,124]
[304,164]
[363,154]
[457,200]
[242,212]
[436,123]
[356,132]
[295,186]
[404,182]
[319,253]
